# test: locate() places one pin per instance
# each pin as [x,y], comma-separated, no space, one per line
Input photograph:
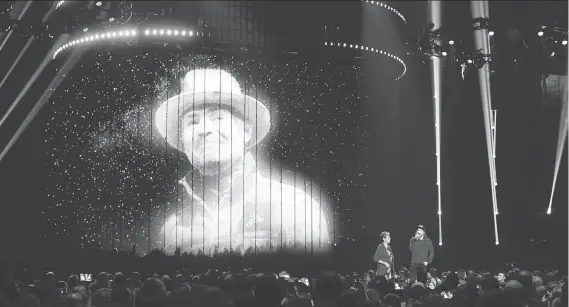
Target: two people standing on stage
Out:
[422,254]
[384,256]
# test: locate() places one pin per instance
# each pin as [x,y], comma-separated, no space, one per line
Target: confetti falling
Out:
[115,180]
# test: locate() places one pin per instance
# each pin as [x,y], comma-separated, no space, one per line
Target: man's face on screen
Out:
[213,135]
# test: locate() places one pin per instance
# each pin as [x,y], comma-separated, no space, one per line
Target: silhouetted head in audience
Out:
[267,291]
[28,300]
[525,278]
[417,291]
[489,283]
[73,281]
[392,300]
[152,293]
[515,293]
[73,300]
[433,300]
[328,289]
[101,298]
[492,298]
[451,281]
[103,280]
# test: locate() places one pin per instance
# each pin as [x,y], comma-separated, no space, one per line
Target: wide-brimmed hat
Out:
[216,87]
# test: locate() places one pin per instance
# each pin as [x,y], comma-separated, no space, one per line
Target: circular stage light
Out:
[121,33]
[371,49]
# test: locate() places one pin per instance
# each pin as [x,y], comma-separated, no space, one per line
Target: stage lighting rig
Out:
[429,43]
[481,23]
[479,59]
[5,8]
[76,16]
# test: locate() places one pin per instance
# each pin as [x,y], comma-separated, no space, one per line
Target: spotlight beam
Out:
[479,9]
[435,14]
[9,33]
[39,70]
[561,139]
[32,80]
[70,62]
[29,42]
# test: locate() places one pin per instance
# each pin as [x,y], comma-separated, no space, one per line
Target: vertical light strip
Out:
[561,139]
[481,40]
[435,12]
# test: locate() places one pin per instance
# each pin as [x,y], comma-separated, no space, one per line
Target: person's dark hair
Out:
[29,300]
[152,293]
[433,300]
[525,278]
[489,283]
[493,298]
[329,287]
[392,299]
[434,273]
[451,281]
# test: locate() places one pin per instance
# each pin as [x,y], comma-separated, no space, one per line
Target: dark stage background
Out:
[364,139]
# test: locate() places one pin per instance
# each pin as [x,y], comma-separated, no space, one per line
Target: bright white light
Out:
[553,53]
[344,44]
[133,32]
[154,32]
[168,32]
[325,43]
[175,32]
[356,46]
[548,210]
[540,33]
[451,42]
[111,19]
[440,243]
[184,33]
[85,29]
[191,33]
[469,61]
[121,33]
[497,243]
[99,3]
[96,36]
[161,32]
[444,53]
[564,43]
[491,33]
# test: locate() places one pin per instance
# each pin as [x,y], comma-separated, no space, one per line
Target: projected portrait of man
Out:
[228,203]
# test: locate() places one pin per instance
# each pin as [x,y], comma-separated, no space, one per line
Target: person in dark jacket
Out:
[384,256]
[422,254]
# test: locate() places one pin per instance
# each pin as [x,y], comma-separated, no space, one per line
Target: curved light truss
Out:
[370,49]
[128,33]
[383,5]
[58,4]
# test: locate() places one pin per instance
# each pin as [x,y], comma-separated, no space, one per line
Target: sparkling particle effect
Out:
[115,180]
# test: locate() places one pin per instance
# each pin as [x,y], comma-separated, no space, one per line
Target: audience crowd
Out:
[245,288]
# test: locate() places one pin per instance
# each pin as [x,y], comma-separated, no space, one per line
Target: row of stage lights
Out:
[366,48]
[126,33]
[381,4]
